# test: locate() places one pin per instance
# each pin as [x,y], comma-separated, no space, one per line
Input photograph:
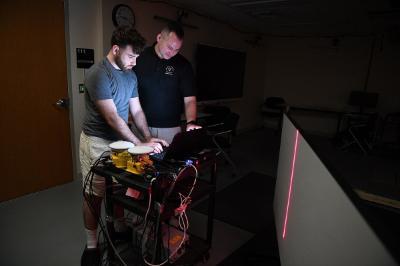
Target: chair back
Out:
[230,122]
[219,113]
[275,103]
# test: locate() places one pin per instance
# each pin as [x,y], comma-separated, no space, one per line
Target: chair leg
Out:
[227,158]
[358,142]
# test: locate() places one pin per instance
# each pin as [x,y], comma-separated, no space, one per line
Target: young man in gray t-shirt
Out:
[111,96]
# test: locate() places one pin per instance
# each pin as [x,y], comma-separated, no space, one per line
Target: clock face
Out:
[123,15]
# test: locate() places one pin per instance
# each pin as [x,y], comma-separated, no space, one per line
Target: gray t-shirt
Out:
[102,82]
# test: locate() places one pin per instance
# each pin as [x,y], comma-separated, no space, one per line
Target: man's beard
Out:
[119,63]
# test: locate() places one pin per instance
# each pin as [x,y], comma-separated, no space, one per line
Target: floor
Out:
[46,228]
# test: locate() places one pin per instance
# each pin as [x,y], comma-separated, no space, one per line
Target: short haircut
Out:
[176,28]
[125,35]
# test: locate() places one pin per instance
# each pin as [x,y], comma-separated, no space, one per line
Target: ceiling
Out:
[300,17]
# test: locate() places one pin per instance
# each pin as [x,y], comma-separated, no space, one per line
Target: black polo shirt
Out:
[162,85]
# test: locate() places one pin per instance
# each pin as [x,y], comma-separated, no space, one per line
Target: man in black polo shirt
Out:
[166,84]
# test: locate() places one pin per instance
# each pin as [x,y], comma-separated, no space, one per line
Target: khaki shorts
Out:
[90,149]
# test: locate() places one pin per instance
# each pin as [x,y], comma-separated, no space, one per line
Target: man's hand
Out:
[156,144]
[192,126]
[163,142]
[157,148]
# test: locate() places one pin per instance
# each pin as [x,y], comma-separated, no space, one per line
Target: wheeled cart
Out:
[161,209]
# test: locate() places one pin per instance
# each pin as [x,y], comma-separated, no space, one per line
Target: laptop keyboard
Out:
[183,143]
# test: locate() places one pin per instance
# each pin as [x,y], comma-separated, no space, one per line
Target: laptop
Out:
[183,145]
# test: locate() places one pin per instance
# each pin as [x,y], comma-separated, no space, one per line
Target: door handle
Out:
[62,103]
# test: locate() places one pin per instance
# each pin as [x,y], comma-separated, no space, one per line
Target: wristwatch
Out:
[191,122]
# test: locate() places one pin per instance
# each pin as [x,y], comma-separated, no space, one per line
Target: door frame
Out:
[73,138]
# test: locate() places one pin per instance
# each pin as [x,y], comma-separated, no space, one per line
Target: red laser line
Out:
[291,183]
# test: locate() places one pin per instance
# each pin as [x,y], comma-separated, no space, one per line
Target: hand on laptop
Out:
[155,143]
[161,141]
[192,127]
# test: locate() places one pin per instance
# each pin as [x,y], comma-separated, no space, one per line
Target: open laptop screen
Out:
[185,144]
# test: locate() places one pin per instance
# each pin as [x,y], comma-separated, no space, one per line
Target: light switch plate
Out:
[81,88]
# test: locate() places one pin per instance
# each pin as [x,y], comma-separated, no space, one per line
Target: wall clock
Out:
[122,15]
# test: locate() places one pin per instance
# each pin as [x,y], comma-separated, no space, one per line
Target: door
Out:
[34,136]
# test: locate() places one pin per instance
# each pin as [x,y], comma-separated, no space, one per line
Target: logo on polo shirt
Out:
[169,70]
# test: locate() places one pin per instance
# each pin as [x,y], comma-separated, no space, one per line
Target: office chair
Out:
[362,127]
[218,113]
[273,108]
[362,130]
[221,137]
[363,100]
[391,128]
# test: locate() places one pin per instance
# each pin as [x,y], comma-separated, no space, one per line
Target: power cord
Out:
[89,199]
[182,217]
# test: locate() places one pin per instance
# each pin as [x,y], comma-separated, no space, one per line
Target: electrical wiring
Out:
[149,203]
[89,199]
[182,218]
[141,241]
[89,196]
[169,237]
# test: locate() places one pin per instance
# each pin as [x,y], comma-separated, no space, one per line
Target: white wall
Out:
[84,24]
[385,75]
[312,72]
[90,26]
